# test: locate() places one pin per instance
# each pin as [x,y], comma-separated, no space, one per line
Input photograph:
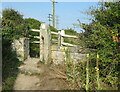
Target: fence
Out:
[45,43]
[61,35]
[46,49]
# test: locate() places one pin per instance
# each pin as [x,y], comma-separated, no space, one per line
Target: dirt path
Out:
[34,76]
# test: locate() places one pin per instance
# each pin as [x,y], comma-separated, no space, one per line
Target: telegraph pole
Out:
[53,13]
[49,18]
[57,22]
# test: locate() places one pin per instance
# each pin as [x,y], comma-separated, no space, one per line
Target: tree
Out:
[33,24]
[13,24]
[102,35]
[13,27]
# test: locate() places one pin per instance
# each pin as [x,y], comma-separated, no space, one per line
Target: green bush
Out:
[13,27]
[99,35]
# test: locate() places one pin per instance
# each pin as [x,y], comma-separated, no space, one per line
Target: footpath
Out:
[38,76]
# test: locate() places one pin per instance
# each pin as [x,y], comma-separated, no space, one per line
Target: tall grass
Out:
[86,75]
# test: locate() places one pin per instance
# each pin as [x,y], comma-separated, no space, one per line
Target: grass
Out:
[9,83]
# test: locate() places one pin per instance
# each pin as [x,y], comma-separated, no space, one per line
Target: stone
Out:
[59,56]
[45,43]
[21,46]
[77,57]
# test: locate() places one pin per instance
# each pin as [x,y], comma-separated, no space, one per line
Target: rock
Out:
[58,57]
[30,67]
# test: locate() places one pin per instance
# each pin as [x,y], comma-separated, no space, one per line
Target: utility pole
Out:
[57,22]
[49,18]
[53,13]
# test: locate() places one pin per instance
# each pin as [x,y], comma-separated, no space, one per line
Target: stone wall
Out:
[21,46]
[59,55]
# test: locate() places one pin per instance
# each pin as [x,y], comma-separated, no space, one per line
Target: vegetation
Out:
[101,36]
[75,73]
[13,27]
[10,64]
[101,69]
[33,24]
[71,40]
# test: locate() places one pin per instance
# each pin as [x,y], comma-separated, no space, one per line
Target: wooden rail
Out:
[67,44]
[54,33]
[61,34]
[37,37]
[35,30]
[36,42]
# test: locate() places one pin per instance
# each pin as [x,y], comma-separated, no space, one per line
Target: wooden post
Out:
[62,38]
[59,39]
